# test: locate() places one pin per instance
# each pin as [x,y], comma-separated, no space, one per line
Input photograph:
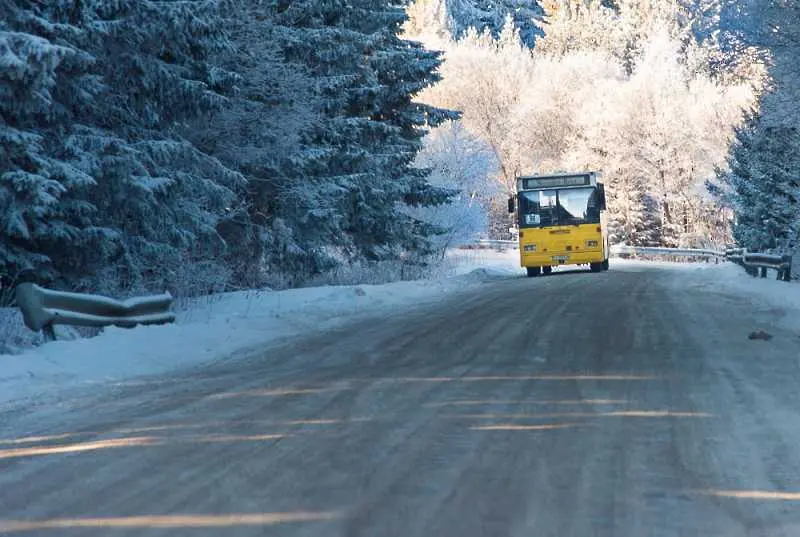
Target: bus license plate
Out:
[560,258]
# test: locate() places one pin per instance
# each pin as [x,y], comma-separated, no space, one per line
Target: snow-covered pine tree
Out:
[456,17]
[633,213]
[344,197]
[402,69]
[164,196]
[774,26]
[259,132]
[44,78]
[763,185]
[146,202]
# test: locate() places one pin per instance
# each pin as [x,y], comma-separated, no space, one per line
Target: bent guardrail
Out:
[43,308]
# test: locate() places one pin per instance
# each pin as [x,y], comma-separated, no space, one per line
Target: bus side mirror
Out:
[511,204]
[601,190]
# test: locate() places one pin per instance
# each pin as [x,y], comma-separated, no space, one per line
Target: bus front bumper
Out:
[546,259]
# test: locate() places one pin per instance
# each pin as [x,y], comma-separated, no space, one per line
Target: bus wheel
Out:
[533,271]
[547,270]
[596,267]
[605,264]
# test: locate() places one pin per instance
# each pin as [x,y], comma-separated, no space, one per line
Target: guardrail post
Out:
[49,332]
[786,261]
[763,272]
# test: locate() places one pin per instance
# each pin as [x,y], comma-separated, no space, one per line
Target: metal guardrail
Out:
[754,263]
[654,250]
[497,243]
[43,308]
[757,263]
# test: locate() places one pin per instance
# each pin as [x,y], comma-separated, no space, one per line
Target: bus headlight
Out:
[591,244]
[529,248]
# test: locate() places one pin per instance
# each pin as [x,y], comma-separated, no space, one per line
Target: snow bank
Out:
[776,301]
[217,327]
[781,300]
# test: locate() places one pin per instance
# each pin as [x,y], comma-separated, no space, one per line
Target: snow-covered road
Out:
[627,403]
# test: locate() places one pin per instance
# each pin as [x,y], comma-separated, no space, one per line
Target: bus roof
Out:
[557,180]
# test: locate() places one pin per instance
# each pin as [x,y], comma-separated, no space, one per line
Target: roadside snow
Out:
[777,302]
[217,327]
[781,300]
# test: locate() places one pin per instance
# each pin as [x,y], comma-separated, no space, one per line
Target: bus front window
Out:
[578,206]
[574,206]
[538,208]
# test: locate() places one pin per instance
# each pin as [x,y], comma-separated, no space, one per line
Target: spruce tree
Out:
[762,184]
[258,133]
[44,79]
[114,198]
[342,198]
[164,196]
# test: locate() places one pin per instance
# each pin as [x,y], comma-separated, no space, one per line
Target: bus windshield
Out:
[562,207]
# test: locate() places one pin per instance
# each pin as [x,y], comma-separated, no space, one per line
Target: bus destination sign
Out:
[529,183]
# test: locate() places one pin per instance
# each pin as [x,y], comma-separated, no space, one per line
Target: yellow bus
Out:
[561,221]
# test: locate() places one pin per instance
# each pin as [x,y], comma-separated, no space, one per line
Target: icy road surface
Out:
[627,403]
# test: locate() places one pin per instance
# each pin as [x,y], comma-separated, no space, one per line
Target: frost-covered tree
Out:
[342,199]
[656,127]
[42,76]
[462,163]
[763,185]
[666,130]
[486,78]
[571,26]
[259,132]
[558,105]
[138,202]
[622,28]
[452,19]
